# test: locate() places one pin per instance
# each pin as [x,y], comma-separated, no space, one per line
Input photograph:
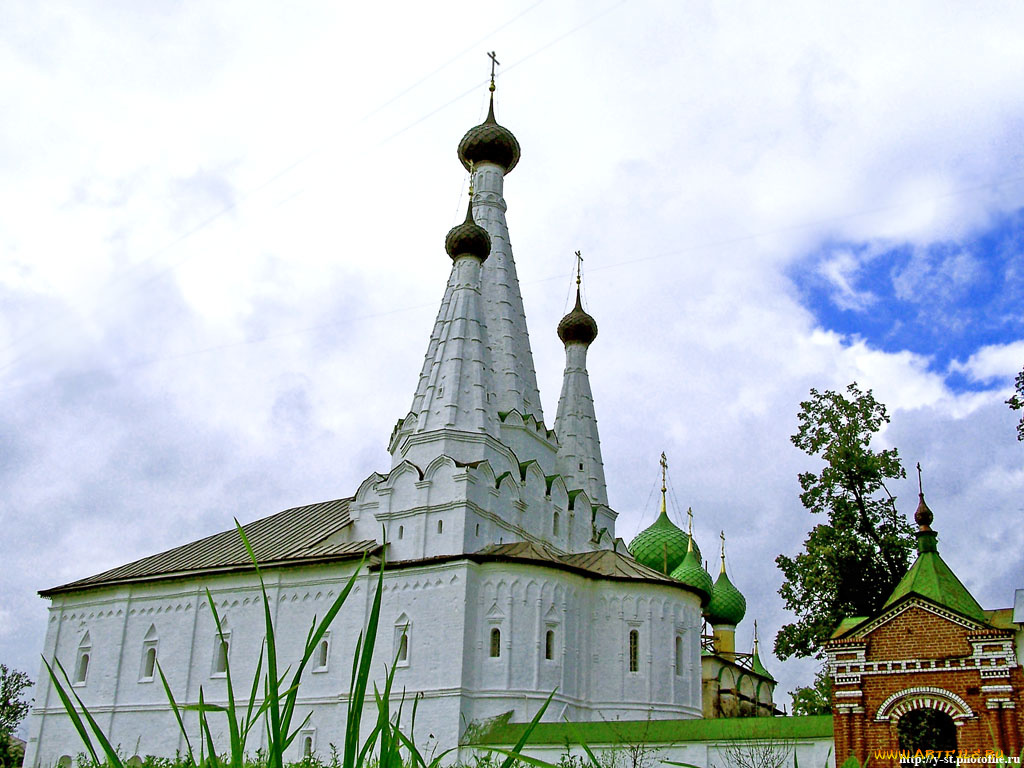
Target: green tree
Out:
[1016,403]
[12,708]
[851,564]
[814,699]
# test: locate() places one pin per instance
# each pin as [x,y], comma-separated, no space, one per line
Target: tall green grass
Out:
[386,746]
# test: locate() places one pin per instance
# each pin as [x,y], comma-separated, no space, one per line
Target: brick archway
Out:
[924,697]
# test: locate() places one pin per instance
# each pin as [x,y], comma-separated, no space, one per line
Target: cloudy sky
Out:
[222,250]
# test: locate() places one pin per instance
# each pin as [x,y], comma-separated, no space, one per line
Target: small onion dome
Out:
[468,238]
[662,546]
[577,325]
[727,605]
[923,516]
[489,143]
[691,573]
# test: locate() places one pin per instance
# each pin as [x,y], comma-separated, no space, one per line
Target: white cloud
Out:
[993,361]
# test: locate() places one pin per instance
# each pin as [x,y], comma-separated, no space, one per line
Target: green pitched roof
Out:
[929,577]
[758,667]
[662,546]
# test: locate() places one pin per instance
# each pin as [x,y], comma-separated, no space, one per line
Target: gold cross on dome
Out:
[664,470]
[494,62]
[579,269]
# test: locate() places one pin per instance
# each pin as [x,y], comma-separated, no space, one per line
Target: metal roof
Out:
[296,535]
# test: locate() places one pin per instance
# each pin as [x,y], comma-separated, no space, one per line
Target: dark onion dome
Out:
[577,325]
[727,605]
[691,573]
[468,238]
[489,143]
[662,546]
[923,516]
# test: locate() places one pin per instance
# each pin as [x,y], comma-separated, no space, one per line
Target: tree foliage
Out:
[814,699]
[1016,403]
[12,707]
[851,564]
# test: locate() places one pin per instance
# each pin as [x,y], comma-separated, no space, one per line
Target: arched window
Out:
[403,629]
[403,647]
[401,531]
[440,525]
[679,655]
[549,645]
[495,643]
[634,650]
[221,649]
[554,524]
[307,746]
[148,666]
[82,665]
[323,654]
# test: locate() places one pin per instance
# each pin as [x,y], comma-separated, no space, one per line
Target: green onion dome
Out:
[489,143]
[468,238]
[691,573]
[662,546]
[727,605]
[577,325]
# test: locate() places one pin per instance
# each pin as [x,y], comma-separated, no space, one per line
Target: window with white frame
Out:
[634,650]
[221,650]
[147,668]
[495,643]
[307,742]
[322,655]
[82,661]
[403,634]
[679,655]
[549,644]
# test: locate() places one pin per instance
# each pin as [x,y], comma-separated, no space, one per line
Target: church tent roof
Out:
[294,536]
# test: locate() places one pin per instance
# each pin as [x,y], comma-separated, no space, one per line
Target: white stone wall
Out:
[448,609]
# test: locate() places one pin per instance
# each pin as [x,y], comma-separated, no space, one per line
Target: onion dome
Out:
[727,605]
[489,143]
[468,238]
[577,325]
[691,573]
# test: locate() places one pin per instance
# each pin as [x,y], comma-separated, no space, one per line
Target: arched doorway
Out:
[926,729]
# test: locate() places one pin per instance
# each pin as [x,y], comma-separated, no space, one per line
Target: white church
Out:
[504,579]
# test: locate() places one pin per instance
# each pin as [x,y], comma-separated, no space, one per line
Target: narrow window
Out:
[440,525]
[403,647]
[549,645]
[401,531]
[554,524]
[322,652]
[221,649]
[83,668]
[84,654]
[581,466]
[495,643]
[478,529]
[148,667]
[634,650]
[679,655]
[307,746]
[149,663]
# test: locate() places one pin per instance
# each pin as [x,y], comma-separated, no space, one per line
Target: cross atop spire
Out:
[920,488]
[494,63]
[664,470]
[722,536]
[579,269]
[689,514]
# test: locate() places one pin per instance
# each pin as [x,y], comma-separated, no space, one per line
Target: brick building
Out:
[932,670]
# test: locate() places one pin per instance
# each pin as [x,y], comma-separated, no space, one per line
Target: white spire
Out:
[455,389]
[579,447]
[515,379]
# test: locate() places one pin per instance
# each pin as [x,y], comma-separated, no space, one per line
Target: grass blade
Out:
[177,713]
[76,720]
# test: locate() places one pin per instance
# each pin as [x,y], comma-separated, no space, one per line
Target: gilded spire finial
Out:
[920,488]
[579,270]
[664,471]
[494,62]
[471,177]
[755,637]
[722,536]
[689,514]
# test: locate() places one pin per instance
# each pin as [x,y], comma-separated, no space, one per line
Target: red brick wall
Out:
[919,634]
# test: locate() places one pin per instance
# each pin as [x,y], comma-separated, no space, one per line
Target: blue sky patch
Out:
[944,300]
